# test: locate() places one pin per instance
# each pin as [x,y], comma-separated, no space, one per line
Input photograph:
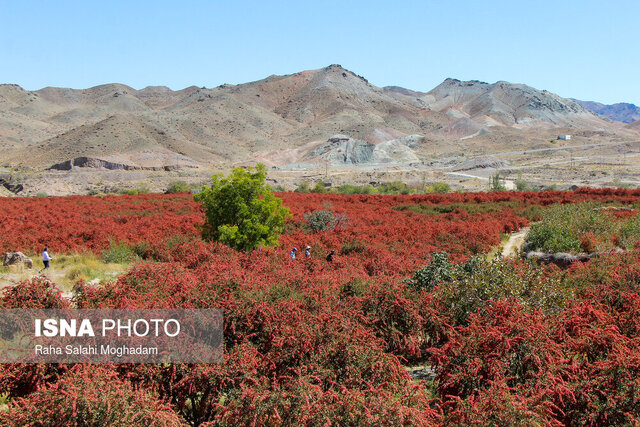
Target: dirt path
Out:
[508,184]
[16,275]
[515,242]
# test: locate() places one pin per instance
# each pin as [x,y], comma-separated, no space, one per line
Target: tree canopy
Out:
[241,211]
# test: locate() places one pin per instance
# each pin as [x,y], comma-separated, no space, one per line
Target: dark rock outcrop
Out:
[561,259]
[11,186]
[90,162]
[482,163]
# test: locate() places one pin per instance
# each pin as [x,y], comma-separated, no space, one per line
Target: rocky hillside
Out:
[504,104]
[280,120]
[620,112]
[634,125]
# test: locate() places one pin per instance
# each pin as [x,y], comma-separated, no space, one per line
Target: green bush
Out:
[178,187]
[140,189]
[469,286]
[438,187]
[319,188]
[140,249]
[630,232]
[552,238]
[522,185]
[303,187]
[439,270]
[143,189]
[563,224]
[477,284]
[241,211]
[324,220]
[118,253]
[356,189]
[355,287]
[277,188]
[395,187]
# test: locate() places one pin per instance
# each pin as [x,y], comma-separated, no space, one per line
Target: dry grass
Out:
[497,250]
[66,270]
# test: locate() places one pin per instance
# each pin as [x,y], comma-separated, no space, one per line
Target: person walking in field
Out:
[293,253]
[330,256]
[46,258]
[307,252]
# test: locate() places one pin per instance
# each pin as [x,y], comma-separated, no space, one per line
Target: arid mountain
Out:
[634,125]
[507,104]
[620,112]
[280,120]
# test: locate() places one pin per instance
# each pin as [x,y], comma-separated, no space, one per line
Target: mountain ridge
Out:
[255,121]
[621,111]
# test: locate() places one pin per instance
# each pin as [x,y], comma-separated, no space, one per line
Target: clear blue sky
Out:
[583,49]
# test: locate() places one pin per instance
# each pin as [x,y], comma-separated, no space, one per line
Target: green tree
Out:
[241,211]
[496,183]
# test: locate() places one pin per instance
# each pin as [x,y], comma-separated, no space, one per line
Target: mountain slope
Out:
[508,104]
[280,119]
[620,112]
[634,125]
[123,138]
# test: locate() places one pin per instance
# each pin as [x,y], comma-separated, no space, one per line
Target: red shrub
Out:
[311,342]
[90,395]
[37,292]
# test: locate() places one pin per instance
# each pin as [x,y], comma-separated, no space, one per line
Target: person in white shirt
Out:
[46,258]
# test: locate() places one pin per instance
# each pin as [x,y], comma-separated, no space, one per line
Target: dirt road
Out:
[515,242]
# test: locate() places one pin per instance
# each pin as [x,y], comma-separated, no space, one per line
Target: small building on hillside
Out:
[339,138]
[564,137]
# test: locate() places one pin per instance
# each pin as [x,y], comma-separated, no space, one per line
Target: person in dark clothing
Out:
[330,256]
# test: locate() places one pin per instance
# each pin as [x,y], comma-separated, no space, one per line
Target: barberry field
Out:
[312,342]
